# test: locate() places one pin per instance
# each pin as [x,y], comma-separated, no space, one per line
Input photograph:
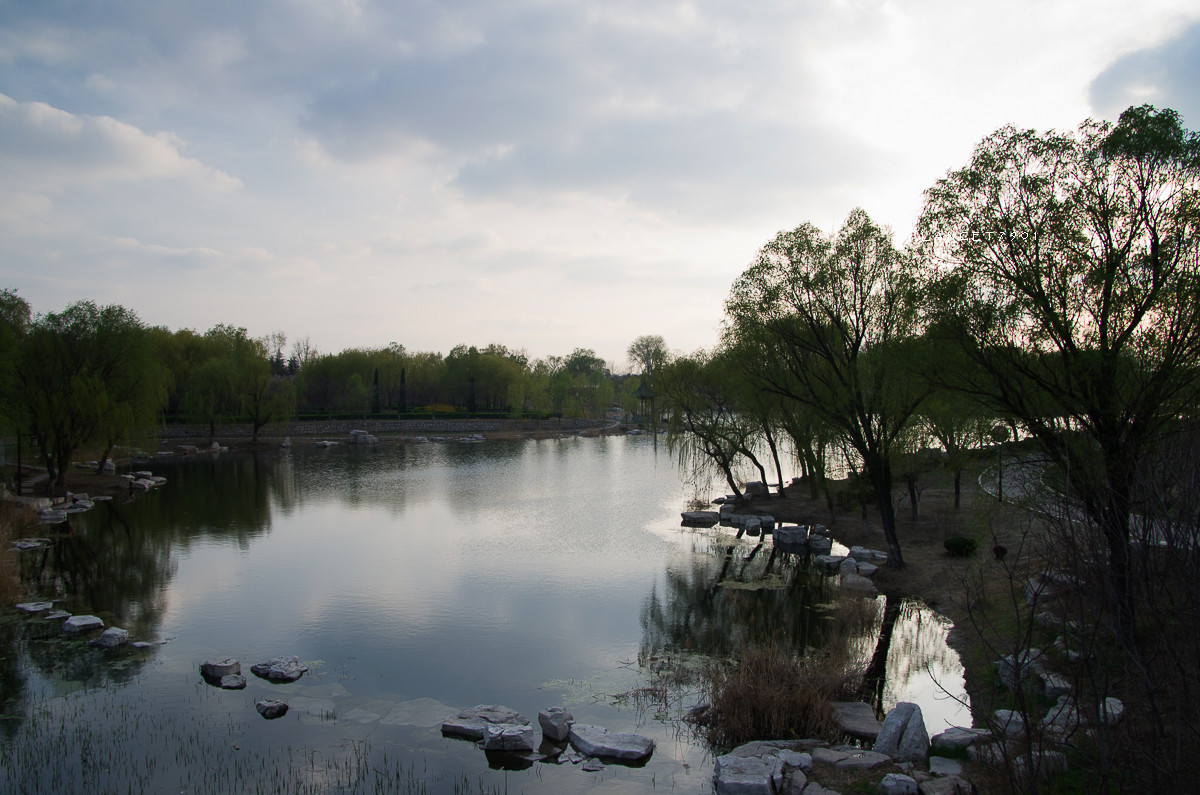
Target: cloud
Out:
[46,148]
[1166,75]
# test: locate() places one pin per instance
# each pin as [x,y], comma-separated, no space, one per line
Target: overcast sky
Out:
[542,174]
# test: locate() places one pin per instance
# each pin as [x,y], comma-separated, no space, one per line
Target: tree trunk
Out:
[957,487]
[880,473]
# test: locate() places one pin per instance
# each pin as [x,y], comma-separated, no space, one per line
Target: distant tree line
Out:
[96,376]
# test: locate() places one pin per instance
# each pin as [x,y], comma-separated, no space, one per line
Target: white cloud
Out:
[45,148]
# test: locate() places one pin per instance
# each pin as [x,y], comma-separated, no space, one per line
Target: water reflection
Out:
[523,573]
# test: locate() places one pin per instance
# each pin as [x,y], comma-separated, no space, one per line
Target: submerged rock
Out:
[233,682]
[111,638]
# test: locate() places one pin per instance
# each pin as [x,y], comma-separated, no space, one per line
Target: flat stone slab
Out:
[857,719]
[82,624]
[956,738]
[111,638]
[700,518]
[35,607]
[471,723]
[598,741]
[279,669]
[423,712]
[746,775]
[862,760]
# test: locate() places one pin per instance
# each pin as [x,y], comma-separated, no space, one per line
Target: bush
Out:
[960,547]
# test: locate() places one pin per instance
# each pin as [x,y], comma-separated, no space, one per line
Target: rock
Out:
[862,760]
[897,784]
[848,566]
[957,738]
[1054,685]
[1008,722]
[592,766]
[867,569]
[819,545]
[233,682]
[35,607]
[472,723]
[556,724]
[794,534]
[814,788]
[862,553]
[56,615]
[941,766]
[279,669]
[82,624]
[110,638]
[828,756]
[1015,668]
[1045,764]
[856,719]
[830,564]
[598,741]
[1111,711]
[796,759]
[951,785]
[700,518]
[746,775]
[857,582]
[271,708]
[215,669]
[508,737]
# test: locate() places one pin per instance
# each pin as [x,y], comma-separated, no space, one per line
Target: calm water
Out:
[413,580]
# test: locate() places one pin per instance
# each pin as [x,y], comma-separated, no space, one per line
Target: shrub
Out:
[960,546]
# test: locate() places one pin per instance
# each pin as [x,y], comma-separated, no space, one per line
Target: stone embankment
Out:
[342,428]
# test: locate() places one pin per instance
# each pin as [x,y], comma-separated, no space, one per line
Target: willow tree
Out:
[89,376]
[826,320]
[1071,279]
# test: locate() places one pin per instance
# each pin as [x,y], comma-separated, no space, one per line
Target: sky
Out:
[542,175]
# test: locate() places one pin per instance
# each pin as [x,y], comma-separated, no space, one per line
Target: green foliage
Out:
[89,375]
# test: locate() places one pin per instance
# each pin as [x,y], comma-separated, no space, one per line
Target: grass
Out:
[13,517]
[774,691]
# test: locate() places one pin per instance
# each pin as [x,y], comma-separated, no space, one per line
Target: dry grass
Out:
[772,691]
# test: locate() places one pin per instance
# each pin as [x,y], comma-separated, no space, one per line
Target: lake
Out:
[412,580]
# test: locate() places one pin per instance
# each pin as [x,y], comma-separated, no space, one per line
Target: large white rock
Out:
[747,775]
[507,737]
[279,669]
[215,669]
[598,741]
[903,736]
[82,624]
[472,723]
[897,784]
[556,724]
[856,719]
[792,534]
